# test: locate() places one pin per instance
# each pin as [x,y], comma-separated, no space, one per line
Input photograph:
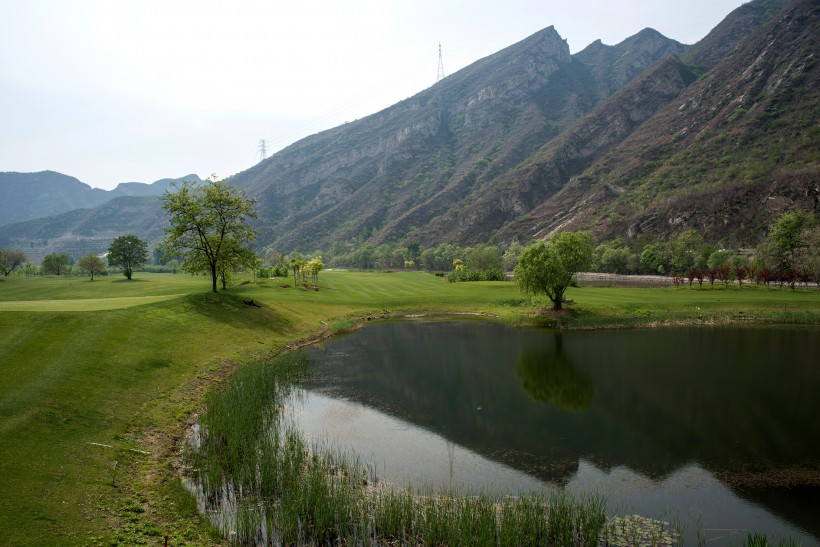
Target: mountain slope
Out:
[390,174]
[26,196]
[732,152]
[84,231]
[646,136]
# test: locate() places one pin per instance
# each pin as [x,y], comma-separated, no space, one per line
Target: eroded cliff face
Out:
[736,149]
[500,205]
[405,169]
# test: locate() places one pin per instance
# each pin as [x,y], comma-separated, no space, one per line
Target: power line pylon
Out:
[263,149]
[440,72]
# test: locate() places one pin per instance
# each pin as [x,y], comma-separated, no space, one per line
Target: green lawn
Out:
[125,363]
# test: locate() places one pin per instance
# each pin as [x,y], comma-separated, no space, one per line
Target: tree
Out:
[208,226]
[296,264]
[56,263]
[312,268]
[685,249]
[92,264]
[10,259]
[549,268]
[788,236]
[655,258]
[511,256]
[127,252]
[811,257]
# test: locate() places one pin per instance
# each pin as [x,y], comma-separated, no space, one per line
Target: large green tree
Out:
[56,263]
[208,226]
[128,252]
[92,264]
[10,259]
[548,268]
[788,235]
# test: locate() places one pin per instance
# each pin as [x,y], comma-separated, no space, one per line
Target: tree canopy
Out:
[92,264]
[548,268]
[208,227]
[56,263]
[127,252]
[10,259]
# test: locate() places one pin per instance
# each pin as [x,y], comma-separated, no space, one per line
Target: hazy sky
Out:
[117,91]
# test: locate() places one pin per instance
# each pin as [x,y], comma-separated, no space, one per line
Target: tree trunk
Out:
[213,277]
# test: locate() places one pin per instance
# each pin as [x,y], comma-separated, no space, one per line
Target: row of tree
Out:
[209,233]
[125,252]
[790,251]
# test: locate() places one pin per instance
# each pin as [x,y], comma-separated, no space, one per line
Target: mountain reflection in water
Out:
[739,404]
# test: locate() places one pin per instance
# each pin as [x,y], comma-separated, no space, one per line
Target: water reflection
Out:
[738,404]
[549,377]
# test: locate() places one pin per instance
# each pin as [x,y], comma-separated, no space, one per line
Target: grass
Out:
[262,480]
[126,364]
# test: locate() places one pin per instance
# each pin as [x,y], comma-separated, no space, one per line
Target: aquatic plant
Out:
[261,482]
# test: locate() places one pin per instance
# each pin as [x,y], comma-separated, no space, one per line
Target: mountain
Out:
[84,231]
[25,196]
[730,153]
[644,137]
[391,174]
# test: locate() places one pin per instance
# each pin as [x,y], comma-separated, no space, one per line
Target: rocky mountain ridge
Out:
[645,137]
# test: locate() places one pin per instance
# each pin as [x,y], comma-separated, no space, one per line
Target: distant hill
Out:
[25,196]
[65,215]
[645,138]
[84,231]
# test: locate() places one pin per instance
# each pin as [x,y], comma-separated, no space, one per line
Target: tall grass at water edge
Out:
[262,483]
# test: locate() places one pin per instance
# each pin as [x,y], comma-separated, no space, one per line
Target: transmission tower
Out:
[263,149]
[440,73]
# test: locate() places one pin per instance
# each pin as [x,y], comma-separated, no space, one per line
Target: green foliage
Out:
[127,252]
[788,235]
[208,227]
[655,258]
[719,259]
[511,256]
[10,259]
[92,264]
[614,257]
[549,268]
[482,263]
[56,263]
[684,249]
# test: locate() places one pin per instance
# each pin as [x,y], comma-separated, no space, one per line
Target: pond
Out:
[716,429]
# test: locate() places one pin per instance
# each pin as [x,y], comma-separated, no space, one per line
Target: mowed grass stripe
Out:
[83,305]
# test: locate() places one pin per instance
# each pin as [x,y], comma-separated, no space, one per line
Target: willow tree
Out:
[208,226]
[548,268]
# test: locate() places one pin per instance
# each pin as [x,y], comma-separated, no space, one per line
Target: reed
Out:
[263,483]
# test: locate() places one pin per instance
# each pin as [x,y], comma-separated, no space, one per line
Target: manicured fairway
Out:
[124,364]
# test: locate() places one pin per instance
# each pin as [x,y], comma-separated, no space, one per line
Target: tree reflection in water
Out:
[548,376]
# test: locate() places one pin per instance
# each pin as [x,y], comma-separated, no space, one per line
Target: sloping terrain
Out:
[732,152]
[644,137]
[27,196]
[84,231]
[389,175]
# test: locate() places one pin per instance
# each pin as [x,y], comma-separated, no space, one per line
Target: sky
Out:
[139,90]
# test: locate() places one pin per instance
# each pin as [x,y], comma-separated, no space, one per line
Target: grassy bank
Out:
[125,364]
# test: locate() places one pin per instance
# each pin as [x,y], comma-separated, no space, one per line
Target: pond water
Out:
[718,429]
